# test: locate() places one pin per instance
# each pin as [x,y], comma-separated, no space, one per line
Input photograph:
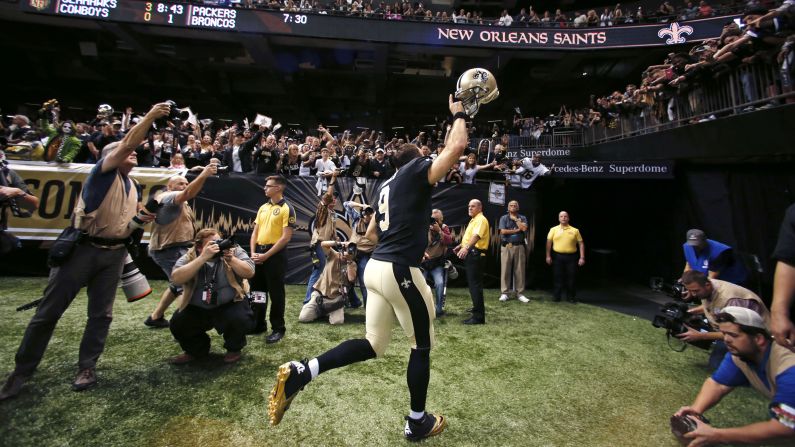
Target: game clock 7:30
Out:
[299,19]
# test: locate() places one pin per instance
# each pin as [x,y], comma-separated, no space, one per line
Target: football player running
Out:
[394,281]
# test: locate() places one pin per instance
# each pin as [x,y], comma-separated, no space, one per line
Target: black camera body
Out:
[174,116]
[673,317]
[681,425]
[152,207]
[350,249]
[223,244]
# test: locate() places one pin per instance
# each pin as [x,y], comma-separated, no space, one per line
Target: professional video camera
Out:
[674,318]
[224,244]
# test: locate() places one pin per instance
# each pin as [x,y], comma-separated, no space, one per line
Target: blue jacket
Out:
[707,260]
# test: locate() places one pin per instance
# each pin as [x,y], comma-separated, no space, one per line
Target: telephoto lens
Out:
[133,283]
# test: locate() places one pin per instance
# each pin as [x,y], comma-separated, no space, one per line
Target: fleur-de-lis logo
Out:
[675,31]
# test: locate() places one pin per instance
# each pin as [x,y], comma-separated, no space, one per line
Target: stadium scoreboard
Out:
[220,18]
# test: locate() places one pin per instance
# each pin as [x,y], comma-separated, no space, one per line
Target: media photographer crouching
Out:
[716,295]
[754,361]
[213,275]
[331,289]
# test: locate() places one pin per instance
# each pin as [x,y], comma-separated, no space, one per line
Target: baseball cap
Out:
[379,150]
[695,237]
[744,316]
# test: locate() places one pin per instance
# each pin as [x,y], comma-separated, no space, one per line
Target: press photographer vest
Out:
[180,230]
[780,360]
[437,249]
[333,277]
[327,231]
[363,244]
[241,286]
[724,291]
[117,209]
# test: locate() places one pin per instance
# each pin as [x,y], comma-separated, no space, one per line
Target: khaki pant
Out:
[512,264]
[311,311]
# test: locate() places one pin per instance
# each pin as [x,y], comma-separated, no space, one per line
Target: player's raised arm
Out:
[475,86]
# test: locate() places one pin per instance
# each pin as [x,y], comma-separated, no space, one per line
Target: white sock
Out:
[416,415]
[314,368]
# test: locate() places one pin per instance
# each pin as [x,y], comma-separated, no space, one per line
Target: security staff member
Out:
[273,229]
[473,251]
[513,256]
[563,240]
[106,205]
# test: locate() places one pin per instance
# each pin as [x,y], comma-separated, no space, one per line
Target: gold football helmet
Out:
[476,86]
[104,111]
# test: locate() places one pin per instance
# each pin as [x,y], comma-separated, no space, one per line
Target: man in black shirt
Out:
[395,284]
[781,310]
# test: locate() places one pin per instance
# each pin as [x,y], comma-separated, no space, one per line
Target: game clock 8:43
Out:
[162,10]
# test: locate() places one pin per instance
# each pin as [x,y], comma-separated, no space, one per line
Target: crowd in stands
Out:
[237,147]
[758,52]
[524,17]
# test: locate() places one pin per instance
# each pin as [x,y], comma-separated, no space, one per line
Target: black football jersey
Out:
[402,214]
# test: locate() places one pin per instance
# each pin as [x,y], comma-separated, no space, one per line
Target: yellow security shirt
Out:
[271,219]
[564,240]
[478,225]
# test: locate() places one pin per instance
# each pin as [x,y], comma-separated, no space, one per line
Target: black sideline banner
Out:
[185,15]
[229,203]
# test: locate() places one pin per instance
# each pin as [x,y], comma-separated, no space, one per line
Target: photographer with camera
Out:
[330,291]
[213,274]
[715,295]
[172,234]
[364,244]
[14,196]
[433,260]
[107,204]
[754,361]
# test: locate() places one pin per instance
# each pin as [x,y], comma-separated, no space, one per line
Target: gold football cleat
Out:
[278,403]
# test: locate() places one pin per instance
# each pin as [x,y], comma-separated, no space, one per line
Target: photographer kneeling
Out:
[213,275]
[331,289]
[754,361]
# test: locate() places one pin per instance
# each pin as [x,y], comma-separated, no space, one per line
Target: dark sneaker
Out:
[232,357]
[85,379]
[274,337]
[158,324]
[12,386]
[290,379]
[426,427]
[182,359]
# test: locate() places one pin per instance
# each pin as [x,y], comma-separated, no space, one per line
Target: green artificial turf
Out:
[538,374]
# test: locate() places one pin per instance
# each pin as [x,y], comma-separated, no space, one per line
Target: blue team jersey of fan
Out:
[402,214]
